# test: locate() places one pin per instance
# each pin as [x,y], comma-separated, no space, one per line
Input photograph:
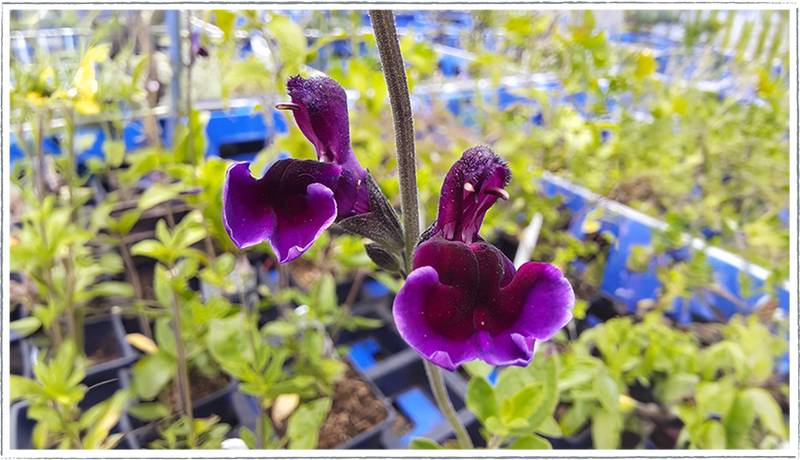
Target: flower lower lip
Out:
[288,106]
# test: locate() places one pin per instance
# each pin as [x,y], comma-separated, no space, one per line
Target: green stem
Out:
[183,370]
[443,401]
[400,100]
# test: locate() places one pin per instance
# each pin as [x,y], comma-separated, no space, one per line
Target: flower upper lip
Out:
[471,187]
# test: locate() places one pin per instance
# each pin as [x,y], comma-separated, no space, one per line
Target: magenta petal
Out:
[409,311]
[450,324]
[243,210]
[294,236]
[291,205]
[549,301]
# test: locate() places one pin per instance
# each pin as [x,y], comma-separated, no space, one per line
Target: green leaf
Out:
[151,373]
[225,342]
[739,419]
[494,425]
[158,193]
[531,442]
[248,437]
[711,435]
[152,249]
[481,399]
[147,412]
[523,404]
[114,152]
[575,417]
[162,233]
[547,373]
[244,73]
[767,410]
[607,392]
[361,322]
[128,220]
[606,429]
[26,326]
[424,444]
[99,431]
[22,386]
[110,289]
[478,368]
[279,328]
[291,42]
[165,338]
[676,387]
[549,428]
[305,422]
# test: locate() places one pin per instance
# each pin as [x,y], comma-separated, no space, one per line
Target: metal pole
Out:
[172,19]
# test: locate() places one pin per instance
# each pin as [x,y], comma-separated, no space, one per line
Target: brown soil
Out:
[401,425]
[146,276]
[706,333]
[200,386]
[304,272]
[355,410]
[107,349]
[636,190]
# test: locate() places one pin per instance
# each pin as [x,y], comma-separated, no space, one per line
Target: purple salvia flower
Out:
[464,300]
[297,200]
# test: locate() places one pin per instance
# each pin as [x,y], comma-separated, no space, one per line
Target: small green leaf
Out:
[424,444]
[606,430]
[767,410]
[225,342]
[478,368]
[151,373]
[248,437]
[165,338]
[279,328]
[26,326]
[711,435]
[481,399]
[158,193]
[523,404]
[114,152]
[531,442]
[147,412]
[739,419]
[607,392]
[305,422]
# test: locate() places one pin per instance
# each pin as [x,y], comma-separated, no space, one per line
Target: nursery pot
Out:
[22,427]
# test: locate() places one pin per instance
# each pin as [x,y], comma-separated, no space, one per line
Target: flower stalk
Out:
[394,71]
[400,101]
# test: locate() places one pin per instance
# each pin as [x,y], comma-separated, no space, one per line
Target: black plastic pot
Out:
[220,403]
[108,331]
[403,380]
[581,440]
[369,346]
[22,426]
[20,357]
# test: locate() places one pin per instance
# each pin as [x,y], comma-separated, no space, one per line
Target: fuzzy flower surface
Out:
[463,299]
[297,200]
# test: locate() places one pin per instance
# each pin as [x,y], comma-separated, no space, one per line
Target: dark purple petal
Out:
[460,303]
[471,187]
[321,113]
[291,205]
